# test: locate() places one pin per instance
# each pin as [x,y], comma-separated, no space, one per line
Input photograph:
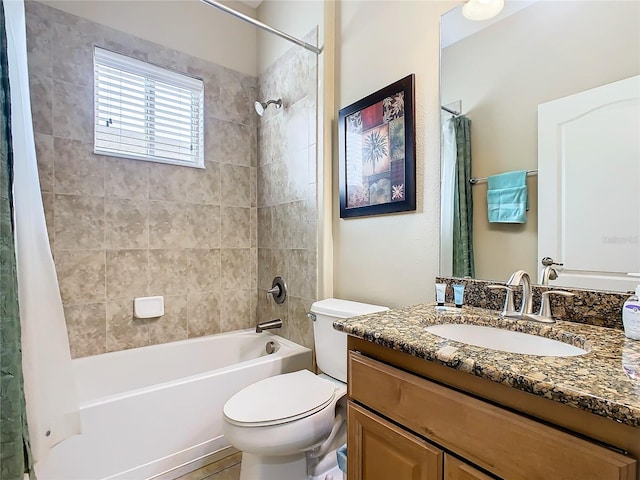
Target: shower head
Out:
[261,107]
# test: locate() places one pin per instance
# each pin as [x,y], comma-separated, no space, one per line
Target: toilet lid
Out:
[279,399]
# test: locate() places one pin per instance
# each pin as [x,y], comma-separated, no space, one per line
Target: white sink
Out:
[505,340]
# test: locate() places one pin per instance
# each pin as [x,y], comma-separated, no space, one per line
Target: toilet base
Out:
[289,467]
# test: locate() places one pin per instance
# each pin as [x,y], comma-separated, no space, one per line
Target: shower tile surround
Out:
[287,208]
[123,228]
[592,307]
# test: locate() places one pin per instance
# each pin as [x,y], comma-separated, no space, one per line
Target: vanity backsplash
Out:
[592,307]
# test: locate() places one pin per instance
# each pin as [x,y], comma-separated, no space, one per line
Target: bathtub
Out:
[156,412]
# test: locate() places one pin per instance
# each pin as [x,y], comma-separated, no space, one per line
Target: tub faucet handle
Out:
[278,290]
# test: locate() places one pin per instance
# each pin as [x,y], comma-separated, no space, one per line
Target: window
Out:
[146,112]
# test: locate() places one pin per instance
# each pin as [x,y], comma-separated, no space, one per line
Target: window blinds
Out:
[146,112]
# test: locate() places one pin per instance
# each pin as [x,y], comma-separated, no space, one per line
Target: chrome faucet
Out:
[520,277]
[268,325]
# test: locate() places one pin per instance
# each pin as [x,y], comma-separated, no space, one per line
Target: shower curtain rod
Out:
[259,24]
[452,112]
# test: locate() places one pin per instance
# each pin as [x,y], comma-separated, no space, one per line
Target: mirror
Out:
[498,72]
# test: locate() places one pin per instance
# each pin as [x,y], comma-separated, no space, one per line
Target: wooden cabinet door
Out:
[455,469]
[380,450]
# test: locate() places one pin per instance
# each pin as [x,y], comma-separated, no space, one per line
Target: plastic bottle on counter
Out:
[631,315]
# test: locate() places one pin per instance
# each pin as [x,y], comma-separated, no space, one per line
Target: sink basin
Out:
[505,340]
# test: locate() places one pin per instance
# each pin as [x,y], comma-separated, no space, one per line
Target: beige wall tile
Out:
[235,264]
[212,138]
[77,170]
[254,227]
[203,226]
[279,181]
[81,275]
[123,330]
[125,178]
[264,188]
[236,227]
[41,90]
[79,222]
[44,156]
[48,205]
[264,227]
[297,163]
[86,325]
[203,313]
[235,310]
[302,273]
[167,225]
[172,326]
[281,223]
[203,274]
[302,232]
[72,111]
[175,183]
[236,186]
[300,328]
[168,271]
[38,42]
[127,274]
[71,55]
[126,223]
[238,146]
[265,268]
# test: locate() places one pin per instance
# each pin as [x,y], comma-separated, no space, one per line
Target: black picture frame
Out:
[377,152]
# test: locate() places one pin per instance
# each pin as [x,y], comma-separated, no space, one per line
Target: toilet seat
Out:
[279,399]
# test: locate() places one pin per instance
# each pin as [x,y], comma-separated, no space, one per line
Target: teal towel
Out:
[507,197]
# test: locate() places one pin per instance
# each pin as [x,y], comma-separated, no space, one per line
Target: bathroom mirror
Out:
[498,71]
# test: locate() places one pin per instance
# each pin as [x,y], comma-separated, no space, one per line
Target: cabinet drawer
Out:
[504,443]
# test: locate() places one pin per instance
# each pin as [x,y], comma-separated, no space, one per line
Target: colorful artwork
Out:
[377,152]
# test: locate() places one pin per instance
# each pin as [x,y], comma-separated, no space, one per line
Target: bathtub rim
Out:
[292,349]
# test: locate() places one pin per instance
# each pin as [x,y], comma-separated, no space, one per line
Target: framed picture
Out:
[377,152]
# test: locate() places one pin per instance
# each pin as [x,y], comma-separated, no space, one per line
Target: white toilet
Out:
[289,426]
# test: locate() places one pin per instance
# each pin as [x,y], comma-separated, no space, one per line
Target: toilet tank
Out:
[330,344]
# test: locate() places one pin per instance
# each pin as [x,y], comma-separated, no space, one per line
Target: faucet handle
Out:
[509,306]
[545,315]
[545,305]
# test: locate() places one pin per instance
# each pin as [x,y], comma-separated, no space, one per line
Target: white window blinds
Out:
[146,112]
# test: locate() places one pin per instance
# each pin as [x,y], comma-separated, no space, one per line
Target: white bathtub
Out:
[157,411]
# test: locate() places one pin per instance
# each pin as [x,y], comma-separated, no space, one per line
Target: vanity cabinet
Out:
[384,451]
[404,426]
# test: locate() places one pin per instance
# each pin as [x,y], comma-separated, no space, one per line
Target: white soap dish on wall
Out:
[148,307]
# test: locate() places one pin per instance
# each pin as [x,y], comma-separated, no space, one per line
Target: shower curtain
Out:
[463,265]
[14,437]
[49,385]
[456,224]
[447,190]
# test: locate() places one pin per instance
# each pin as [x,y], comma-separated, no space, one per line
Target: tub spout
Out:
[268,325]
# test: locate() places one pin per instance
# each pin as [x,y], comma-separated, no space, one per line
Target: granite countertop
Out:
[595,382]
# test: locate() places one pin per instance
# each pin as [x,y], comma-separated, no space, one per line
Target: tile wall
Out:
[122,228]
[287,225]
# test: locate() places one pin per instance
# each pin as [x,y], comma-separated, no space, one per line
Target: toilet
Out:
[289,426]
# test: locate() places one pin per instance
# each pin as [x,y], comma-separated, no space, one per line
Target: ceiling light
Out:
[482,9]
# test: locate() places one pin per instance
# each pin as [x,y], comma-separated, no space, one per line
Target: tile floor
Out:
[226,469]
